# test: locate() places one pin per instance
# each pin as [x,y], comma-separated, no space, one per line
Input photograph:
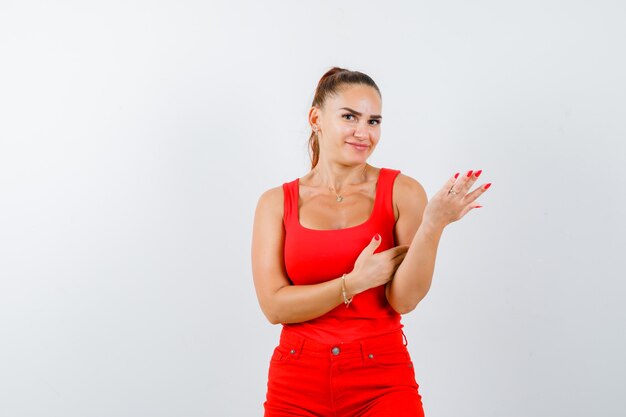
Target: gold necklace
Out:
[339,198]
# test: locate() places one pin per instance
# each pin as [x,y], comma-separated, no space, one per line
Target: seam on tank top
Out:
[285,196]
[392,180]
[288,205]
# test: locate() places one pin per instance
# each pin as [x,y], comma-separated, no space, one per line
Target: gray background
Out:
[136,138]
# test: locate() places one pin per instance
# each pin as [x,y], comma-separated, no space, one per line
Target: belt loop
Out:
[363,346]
[299,347]
[406,341]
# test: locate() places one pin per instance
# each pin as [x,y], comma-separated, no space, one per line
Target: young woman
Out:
[339,254]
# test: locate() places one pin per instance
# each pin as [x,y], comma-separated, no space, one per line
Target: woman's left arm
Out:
[413,277]
[420,225]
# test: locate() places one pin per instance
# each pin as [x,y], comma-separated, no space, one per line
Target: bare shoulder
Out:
[271,202]
[272,198]
[408,195]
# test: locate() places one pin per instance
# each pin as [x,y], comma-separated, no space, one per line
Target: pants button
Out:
[371,356]
[335,351]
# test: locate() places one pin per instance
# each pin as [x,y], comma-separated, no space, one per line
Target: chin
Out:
[357,161]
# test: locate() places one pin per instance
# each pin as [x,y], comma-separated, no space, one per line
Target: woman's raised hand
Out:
[453,201]
[374,269]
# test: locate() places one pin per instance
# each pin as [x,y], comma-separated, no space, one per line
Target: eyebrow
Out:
[374,116]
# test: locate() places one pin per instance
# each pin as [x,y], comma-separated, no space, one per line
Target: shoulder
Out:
[268,218]
[408,195]
[405,184]
[271,201]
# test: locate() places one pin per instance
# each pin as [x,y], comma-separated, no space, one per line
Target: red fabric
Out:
[368,378]
[314,256]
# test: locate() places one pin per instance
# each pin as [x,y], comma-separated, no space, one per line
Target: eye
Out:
[375,120]
[348,114]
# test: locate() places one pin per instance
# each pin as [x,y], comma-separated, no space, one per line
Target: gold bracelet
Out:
[346,300]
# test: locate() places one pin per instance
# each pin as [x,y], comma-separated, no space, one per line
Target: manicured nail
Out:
[456,175]
[487,186]
[477,173]
[377,237]
[477,206]
[469,173]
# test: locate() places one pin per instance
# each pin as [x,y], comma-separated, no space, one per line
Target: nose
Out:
[360,131]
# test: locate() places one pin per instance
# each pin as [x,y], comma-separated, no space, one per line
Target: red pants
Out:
[370,377]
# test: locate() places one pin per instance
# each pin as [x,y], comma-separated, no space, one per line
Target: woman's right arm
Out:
[280,301]
[283,302]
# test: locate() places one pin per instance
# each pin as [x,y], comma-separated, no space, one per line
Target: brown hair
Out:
[331,84]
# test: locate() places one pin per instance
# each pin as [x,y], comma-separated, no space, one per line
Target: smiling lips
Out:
[359,147]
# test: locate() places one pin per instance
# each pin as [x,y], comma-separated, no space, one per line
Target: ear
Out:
[314,116]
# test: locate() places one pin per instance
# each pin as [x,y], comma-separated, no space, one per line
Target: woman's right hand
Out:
[374,269]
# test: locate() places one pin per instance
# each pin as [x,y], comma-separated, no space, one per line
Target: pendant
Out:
[339,199]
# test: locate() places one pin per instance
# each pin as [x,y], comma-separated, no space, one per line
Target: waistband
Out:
[298,344]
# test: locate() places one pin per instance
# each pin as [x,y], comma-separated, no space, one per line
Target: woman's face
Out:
[349,124]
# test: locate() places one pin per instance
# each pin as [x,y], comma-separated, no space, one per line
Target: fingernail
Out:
[477,206]
[377,237]
[456,175]
[487,186]
[477,173]
[469,173]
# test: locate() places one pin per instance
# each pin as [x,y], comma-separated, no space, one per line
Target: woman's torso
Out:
[313,256]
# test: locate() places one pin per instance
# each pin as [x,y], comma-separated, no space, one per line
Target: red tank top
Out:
[313,256]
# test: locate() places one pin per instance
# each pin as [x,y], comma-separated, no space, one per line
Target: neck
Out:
[338,177]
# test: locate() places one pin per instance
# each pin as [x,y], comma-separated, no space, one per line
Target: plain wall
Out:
[136,138]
